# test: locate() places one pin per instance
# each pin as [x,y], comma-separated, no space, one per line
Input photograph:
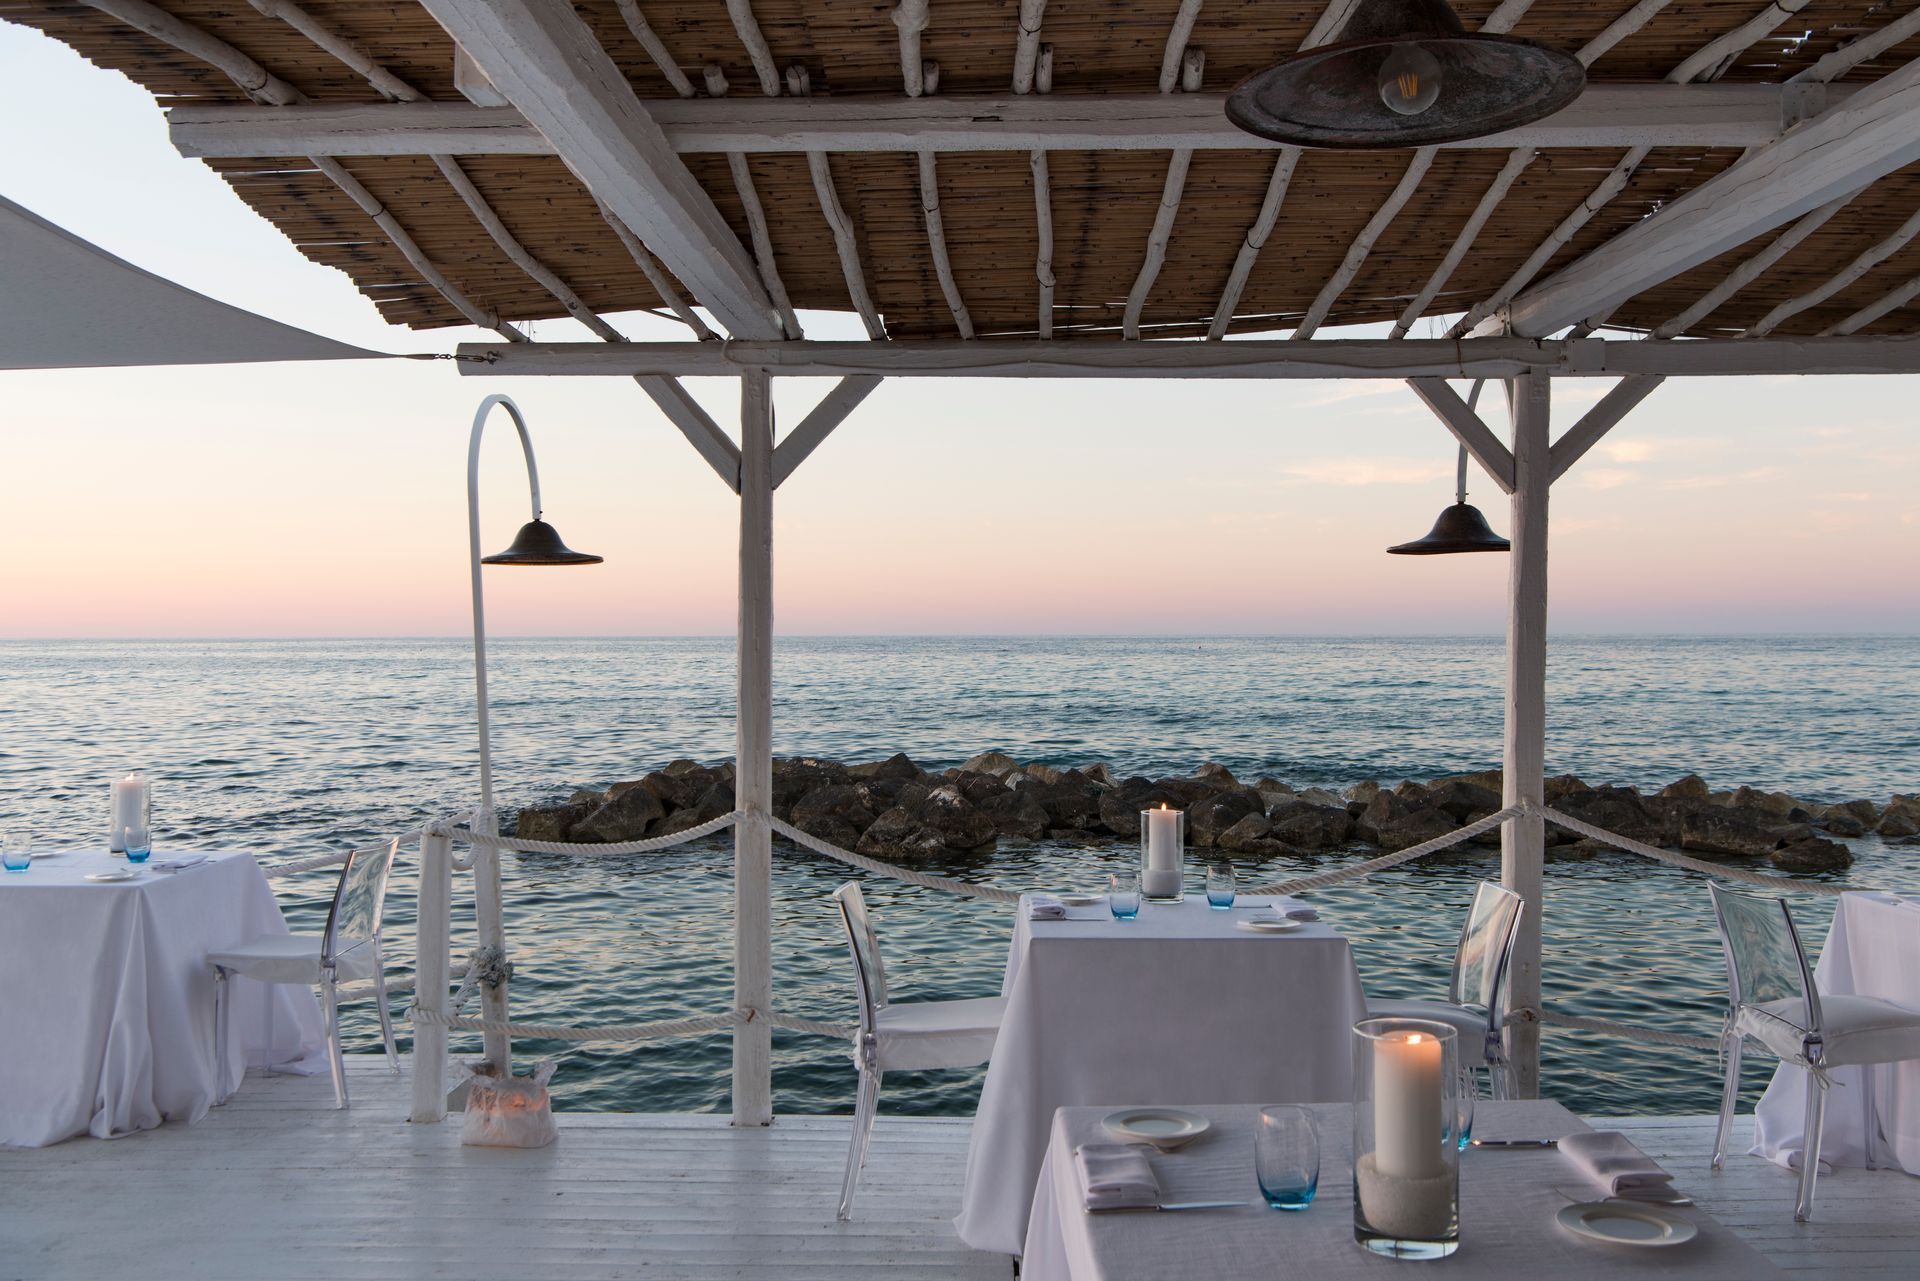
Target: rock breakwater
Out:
[894,809]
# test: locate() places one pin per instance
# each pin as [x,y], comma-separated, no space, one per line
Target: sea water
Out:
[295,748]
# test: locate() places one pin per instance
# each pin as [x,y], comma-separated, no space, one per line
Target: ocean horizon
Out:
[290,748]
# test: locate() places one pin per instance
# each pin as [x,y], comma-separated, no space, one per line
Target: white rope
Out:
[305,865]
[1322,879]
[829,849]
[699,1025]
[1691,864]
[1607,1027]
[468,836]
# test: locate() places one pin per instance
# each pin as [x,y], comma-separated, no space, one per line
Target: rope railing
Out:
[319,861]
[1722,871]
[991,893]
[467,836]
[1320,880]
[1607,1027]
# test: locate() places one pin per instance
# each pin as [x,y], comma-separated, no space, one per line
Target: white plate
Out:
[1627,1223]
[1080,900]
[118,874]
[1165,1128]
[1267,925]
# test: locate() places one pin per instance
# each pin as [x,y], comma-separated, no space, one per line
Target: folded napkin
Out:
[1609,1158]
[1115,1176]
[1294,909]
[1044,907]
[180,864]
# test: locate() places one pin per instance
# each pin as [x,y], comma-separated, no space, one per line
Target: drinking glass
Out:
[13,853]
[136,840]
[1286,1158]
[1220,886]
[1464,1099]
[1123,895]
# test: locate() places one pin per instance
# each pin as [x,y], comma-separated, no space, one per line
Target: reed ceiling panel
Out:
[1103,203]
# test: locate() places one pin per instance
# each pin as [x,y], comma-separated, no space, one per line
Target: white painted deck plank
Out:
[681,1196]
[240,1196]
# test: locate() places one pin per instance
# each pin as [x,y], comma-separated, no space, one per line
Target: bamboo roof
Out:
[1103,203]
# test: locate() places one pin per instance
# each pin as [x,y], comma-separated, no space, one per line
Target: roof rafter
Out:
[543,58]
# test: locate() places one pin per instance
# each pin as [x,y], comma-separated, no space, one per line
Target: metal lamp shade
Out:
[538,543]
[1461,528]
[1331,96]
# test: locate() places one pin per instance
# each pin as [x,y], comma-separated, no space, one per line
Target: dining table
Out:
[1872,949]
[1183,1001]
[106,997]
[1510,1199]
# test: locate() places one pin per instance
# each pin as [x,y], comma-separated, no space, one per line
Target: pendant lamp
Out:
[538,543]
[1404,73]
[1461,527]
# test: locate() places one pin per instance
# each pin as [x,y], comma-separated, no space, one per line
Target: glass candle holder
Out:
[130,802]
[1406,1138]
[1163,844]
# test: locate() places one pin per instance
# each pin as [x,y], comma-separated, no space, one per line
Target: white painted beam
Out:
[1751,270]
[819,424]
[1607,115]
[937,243]
[1363,243]
[1490,200]
[1867,137]
[1468,428]
[753,764]
[546,61]
[1523,764]
[684,412]
[1866,261]
[1266,358]
[1598,421]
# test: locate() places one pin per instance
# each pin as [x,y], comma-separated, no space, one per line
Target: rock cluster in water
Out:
[893,809]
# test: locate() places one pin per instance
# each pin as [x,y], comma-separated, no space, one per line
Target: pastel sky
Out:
[317,500]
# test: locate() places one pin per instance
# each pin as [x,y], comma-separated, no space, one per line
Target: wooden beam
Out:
[937,243]
[1523,840]
[1157,238]
[910,17]
[1750,270]
[1026,49]
[549,64]
[1598,421]
[1497,190]
[818,425]
[1607,115]
[1256,239]
[1043,231]
[1363,243]
[1273,358]
[684,412]
[1468,428]
[1872,45]
[1866,261]
[757,228]
[655,47]
[1867,137]
[753,764]
[747,27]
[1893,300]
[1176,47]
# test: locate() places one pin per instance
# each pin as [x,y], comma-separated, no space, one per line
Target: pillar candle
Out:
[1407,1127]
[1161,877]
[129,805]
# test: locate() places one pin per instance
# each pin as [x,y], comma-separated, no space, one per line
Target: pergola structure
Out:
[1049,188]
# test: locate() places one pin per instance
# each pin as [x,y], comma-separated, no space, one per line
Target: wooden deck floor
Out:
[277,1184]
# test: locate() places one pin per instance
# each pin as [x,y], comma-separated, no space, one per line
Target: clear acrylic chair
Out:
[1476,995]
[347,951]
[1773,1000]
[910,1036]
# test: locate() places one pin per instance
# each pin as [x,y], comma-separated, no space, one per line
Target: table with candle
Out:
[1180,1003]
[1508,1201]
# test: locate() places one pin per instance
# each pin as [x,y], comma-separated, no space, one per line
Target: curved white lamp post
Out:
[537,543]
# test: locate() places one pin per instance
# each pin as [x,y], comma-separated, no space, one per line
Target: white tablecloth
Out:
[106,998]
[1177,1004]
[1508,1199]
[1873,949]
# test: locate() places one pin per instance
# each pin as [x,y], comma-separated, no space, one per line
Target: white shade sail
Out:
[68,304]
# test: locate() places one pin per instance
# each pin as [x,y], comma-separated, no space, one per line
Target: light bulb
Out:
[1409,79]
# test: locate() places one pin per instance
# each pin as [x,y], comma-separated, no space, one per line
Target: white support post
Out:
[433,920]
[1523,839]
[753,763]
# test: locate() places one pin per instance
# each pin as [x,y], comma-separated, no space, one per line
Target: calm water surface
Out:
[298,748]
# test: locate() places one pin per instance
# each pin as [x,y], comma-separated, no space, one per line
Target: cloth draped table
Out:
[1873,949]
[1508,1199]
[106,997]
[1176,1004]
